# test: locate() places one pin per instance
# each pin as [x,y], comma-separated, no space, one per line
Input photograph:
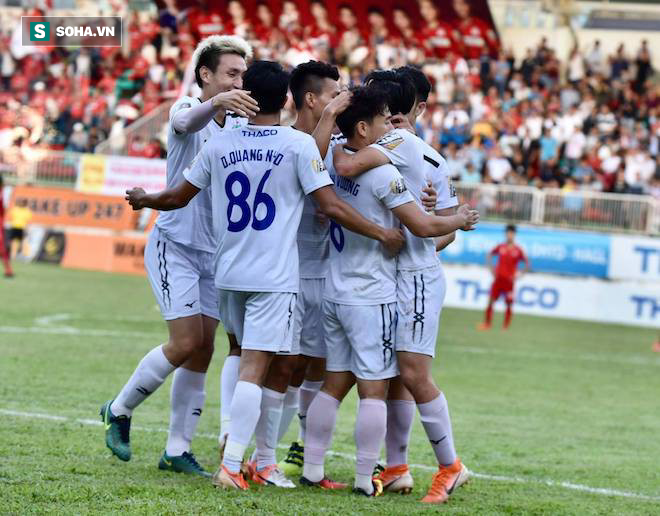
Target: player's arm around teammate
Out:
[420,294]
[179,260]
[165,200]
[329,204]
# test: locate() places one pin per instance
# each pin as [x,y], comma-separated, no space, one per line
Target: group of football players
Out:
[316,246]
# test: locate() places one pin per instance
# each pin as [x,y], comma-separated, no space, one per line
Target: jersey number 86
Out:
[240,201]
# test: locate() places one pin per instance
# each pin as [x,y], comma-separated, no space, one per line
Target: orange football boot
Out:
[396,479]
[227,480]
[445,481]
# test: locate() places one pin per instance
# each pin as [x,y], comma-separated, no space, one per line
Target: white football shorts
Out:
[181,277]
[261,321]
[420,295]
[360,339]
[308,334]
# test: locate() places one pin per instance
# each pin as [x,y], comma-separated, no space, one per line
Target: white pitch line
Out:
[499,478]
[48,320]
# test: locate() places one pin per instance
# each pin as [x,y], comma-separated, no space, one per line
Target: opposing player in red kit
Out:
[508,256]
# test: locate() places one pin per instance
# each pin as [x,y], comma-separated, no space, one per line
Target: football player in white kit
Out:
[420,293]
[318,99]
[360,297]
[179,262]
[259,176]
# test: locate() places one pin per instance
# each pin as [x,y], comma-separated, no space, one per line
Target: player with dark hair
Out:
[315,89]
[318,99]
[399,89]
[259,176]
[310,77]
[360,296]
[4,253]
[422,88]
[421,290]
[179,262]
[509,254]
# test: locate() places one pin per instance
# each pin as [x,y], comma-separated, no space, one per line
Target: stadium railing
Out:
[505,203]
[552,207]
[148,127]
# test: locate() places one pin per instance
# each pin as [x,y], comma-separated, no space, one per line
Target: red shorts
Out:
[502,285]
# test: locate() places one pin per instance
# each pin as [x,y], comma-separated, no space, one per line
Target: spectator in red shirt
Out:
[137,147]
[439,38]
[350,37]
[154,149]
[240,25]
[509,255]
[477,36]
[265,27]
[378,32]
[402,22]
[320,33]
[289,20]
[204,23]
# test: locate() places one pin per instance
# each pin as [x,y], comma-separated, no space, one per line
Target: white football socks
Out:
[322,418]
[308,391]
[289,410]
[186,403]
[268,426]
[400,417]
[147,377]
[228,379]
[435,419]
[370,427]
[245,412]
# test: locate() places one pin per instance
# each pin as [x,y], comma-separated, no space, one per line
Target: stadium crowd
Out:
[590,123]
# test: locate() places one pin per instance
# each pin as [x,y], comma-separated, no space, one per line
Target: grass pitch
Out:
[554,416]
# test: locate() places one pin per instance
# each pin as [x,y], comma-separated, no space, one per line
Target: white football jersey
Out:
[314,233]
[192,225]
[259,176]
[361,272]
[418,162]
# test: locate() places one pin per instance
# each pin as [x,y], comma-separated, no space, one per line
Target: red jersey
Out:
[205,23]
[508,258]
[477,37]
[439,41]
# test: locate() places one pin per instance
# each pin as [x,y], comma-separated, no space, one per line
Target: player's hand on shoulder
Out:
[393,241]
[429,198]
[238,101]
[401,122]
[134,197]
[339,104]
[470,217]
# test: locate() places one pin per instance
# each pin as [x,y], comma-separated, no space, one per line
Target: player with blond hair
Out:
[179,259]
